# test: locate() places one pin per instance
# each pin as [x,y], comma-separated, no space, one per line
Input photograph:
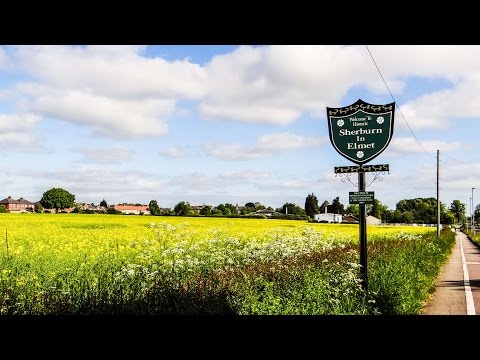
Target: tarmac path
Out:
[457,291]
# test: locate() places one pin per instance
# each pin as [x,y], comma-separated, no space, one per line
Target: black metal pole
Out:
[363,234]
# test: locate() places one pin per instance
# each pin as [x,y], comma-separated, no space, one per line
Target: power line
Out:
[463,162]
[398,107]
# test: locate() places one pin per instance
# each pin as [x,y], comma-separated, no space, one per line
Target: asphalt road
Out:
[457,290]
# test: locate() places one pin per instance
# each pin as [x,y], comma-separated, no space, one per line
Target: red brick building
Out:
[20,205]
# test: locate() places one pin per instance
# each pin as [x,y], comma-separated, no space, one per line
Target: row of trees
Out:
[183,208]
[418,210]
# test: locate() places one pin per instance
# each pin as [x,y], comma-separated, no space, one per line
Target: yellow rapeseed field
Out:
[60,262]
[65,235]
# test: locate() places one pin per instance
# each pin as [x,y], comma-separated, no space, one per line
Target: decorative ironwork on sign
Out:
[360,168]
[360,132]
[377,171]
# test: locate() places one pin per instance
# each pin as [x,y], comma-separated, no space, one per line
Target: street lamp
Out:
[470,222]
[473,214]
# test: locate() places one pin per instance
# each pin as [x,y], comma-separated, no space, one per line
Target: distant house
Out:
[328,217]
[372,220]
[266,212]
[133,209]
[92,207]
[20,205]
[239,208]
[196,208]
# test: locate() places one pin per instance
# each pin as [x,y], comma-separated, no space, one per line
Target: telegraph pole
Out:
[438,193]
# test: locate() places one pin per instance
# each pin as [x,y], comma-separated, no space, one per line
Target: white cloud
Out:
[172,152]
[85,180]
[4,60]
[266,145]
[17,131]
[199,181]
[245,175]
[114,154]
[113,89]
[275,84]
[269,84]
[401,146]
[451,62]
[437,109]
[297,184]
[112,71]
[288,141]
[108,116]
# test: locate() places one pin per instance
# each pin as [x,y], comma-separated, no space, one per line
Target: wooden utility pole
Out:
[438,193]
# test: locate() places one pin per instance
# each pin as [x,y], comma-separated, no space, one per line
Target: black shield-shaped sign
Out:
[361,131]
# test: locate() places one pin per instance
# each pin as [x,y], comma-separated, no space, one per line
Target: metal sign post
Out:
[360,132]
[363,234]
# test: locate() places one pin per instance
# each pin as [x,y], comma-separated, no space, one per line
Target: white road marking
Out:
[466,283]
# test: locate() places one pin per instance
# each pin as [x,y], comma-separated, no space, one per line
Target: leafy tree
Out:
[206,210]
[232,208]
[447,217]
[458,210]
[182,208]
[216,212]
[154,208]
[311,205]
[222,208]
[353,209]
[423,210]
[113,211]
[476,214]
[378,210]
[407,217]
[247,210]
[250,205]
[38,208]
[3,209]
[324,207]
[57,198]
[259,206]
[103,203]
[337,207]
[293,209]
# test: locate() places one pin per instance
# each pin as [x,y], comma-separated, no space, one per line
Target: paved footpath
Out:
[458,288]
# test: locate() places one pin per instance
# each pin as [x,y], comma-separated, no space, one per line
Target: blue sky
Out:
[217,124]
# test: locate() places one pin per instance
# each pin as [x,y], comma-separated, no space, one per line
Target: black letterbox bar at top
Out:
[358,168]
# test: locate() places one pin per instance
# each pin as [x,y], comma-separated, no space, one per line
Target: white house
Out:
[328,217]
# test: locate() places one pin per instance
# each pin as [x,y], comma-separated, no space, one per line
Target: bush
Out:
[112,211]
[3,209]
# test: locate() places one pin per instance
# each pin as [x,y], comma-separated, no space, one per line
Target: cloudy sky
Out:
[216,124]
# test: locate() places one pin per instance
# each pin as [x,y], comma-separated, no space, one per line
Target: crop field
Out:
[112,264]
